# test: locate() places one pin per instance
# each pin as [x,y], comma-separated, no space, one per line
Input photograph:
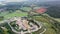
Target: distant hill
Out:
[53,7]
[54,11]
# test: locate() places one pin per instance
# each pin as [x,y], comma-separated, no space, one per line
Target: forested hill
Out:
[53,6]
[54,11]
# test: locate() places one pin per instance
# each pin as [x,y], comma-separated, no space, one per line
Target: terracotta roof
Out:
[41,10]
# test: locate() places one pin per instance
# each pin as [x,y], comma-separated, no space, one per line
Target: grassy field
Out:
[58,19]
[26,8]
[17,13]
[46,23]
[3,13]
[10,15]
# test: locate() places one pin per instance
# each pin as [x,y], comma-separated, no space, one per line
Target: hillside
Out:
[50,19]
[51,24]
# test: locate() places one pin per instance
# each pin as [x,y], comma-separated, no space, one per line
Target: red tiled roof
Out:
[41,10]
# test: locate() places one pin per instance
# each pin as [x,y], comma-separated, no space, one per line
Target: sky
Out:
[13,0]
[5,1]
[25,0]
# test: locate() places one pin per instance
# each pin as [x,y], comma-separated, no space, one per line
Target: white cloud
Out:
[14,0]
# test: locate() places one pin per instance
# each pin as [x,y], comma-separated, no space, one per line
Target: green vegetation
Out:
[10,15]
[1,18]
[49,23]
[26,8]
[54,11]
[58,19]
[17,13]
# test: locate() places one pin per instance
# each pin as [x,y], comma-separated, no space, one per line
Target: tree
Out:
[54,11]
[1,18]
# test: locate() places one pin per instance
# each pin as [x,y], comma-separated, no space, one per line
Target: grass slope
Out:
[47,24]
[17,13]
